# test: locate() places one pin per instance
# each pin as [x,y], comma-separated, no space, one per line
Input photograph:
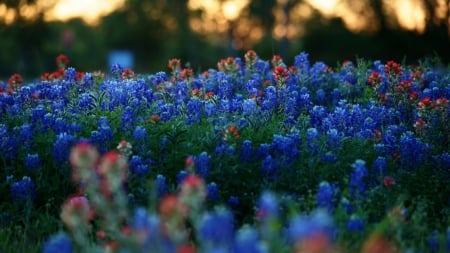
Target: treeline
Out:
[155,31]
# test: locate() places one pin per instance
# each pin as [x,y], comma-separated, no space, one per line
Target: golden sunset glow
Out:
[217,17]
[89,10]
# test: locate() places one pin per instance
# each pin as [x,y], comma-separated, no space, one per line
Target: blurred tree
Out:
[25,35]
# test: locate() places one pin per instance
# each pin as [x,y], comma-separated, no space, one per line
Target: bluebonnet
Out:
[149,227]
[158,78]
[317,114]
[321,97]
[312,141]
[137,166]
[60,125]
[263,150]
[334,139]
[355,224]
[128,118]
[71,74]
[319,222]
[335,96]
[347,205]
[246,154]
[210,235]
[88,79]
[233,201]
[181,176]
[116,69]
[225,150]
[210,108]
[161,185]
[329,157]
[85,102]
[37,114]
[268,206]
[212,191]
[357,179]
[58,243]
[412,151]
[194,111]
[23,190]
[203,164]
[379,166]
[326,195]
[236,104]
[26,135]
[61,147]
[270,101]
[433,241]
[140,134]
[301,62]
[248,241]
[269,167]
[249,107]
[32,162]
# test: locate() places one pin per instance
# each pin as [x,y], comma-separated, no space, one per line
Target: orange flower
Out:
[378,244]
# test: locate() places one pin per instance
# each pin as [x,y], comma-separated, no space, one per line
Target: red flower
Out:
[128,74]
[209,94]
[186,74]
[15,81]
[62,61]
[424,103]
[281,74]
[393,68]
[374,79]
[277,61]
[250,58]
[174,65]
[388,182]
[185,248]
[169,206]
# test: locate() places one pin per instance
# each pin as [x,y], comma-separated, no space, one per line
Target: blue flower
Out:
[209,233]
[161,186]
[181,176]
[246,151]
[355,224]
[140,134]
[249,107]
[248,241]
[71,74]
[301,62]
[268,206]
[319,222]
[433,241]
[269,167]
[61,147]
[32,162]
[194,111]
[203,164]
[116,69]
[23,190]
[233,201]
[326,195]
[357,179]
[58,243]
[212,192]
[137,166]
[379,166]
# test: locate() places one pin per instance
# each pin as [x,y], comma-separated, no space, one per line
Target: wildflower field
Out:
[252,156]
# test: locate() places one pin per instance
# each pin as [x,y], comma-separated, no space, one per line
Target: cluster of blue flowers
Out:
[297,126]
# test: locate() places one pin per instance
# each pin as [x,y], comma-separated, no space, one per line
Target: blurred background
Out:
[145,34]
